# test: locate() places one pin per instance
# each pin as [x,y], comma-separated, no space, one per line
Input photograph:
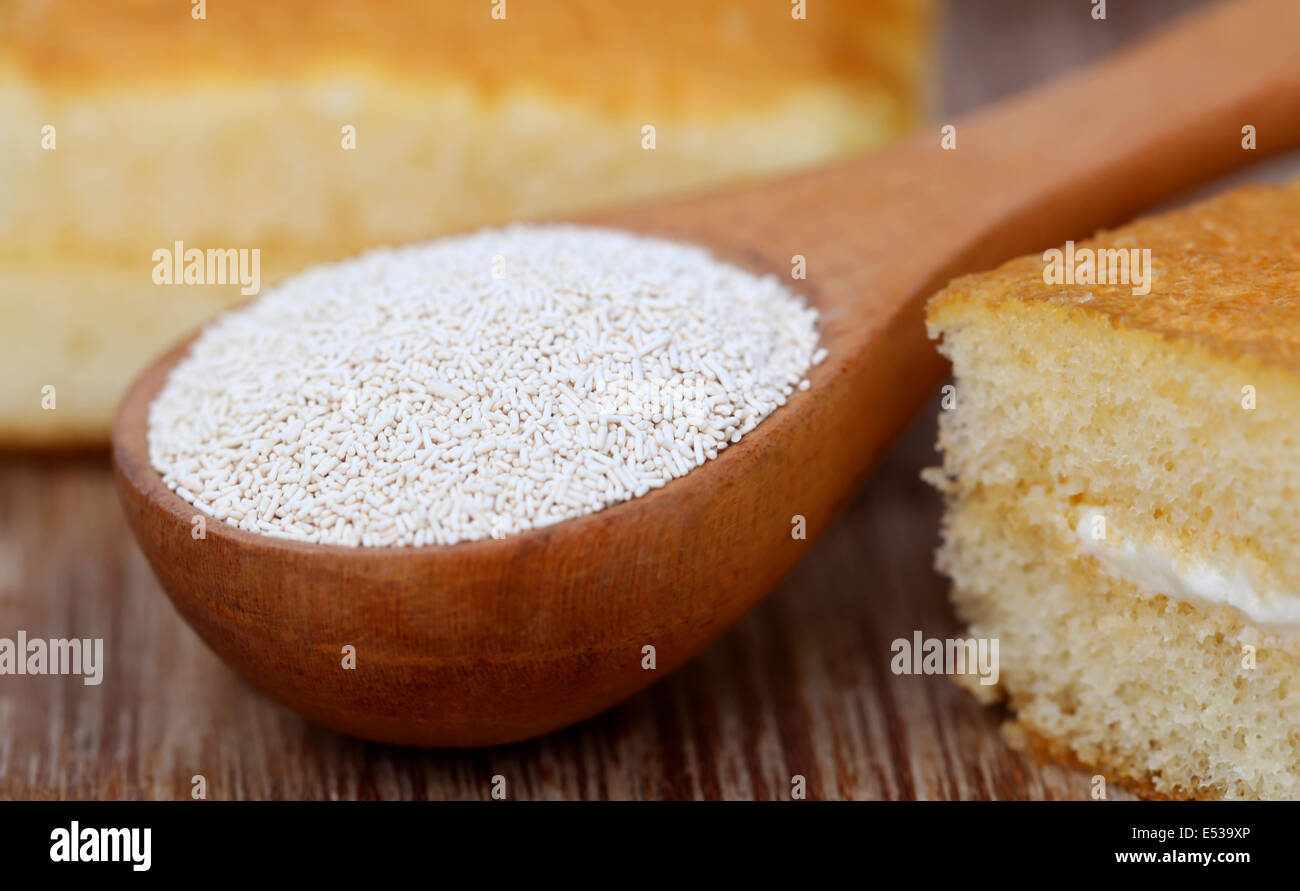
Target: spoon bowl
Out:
[479,642]
[493,641]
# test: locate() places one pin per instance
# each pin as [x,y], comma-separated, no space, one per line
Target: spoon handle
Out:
[882,232]
[1094,148]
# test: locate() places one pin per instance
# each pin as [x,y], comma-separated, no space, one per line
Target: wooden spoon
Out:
[493,641]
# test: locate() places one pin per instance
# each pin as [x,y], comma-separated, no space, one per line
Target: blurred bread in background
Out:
[131,126]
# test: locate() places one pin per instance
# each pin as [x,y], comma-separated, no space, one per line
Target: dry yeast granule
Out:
[475,386]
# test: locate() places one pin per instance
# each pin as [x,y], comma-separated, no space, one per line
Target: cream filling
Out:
[1153,568]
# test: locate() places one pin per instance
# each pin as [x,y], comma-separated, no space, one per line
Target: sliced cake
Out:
[1121,468]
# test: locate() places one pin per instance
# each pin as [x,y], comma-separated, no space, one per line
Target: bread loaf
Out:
[312,130]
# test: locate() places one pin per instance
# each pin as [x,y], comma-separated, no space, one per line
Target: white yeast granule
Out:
[475,386]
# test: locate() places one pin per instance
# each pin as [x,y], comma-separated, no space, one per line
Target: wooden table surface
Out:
[801,686]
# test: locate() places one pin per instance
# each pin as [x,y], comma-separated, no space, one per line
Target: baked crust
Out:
[670,56]
[1226,276]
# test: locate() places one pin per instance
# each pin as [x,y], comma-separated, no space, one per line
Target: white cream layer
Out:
[1155,569]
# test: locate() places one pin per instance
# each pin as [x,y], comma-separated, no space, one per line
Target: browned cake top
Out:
[666,54]
[1226,275]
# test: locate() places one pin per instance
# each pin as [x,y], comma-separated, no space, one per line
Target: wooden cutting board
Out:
[801,687]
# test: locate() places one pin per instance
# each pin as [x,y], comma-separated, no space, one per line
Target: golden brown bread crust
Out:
[680,56]
[1226,276]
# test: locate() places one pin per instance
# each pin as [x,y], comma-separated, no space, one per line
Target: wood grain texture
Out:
[800,686]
